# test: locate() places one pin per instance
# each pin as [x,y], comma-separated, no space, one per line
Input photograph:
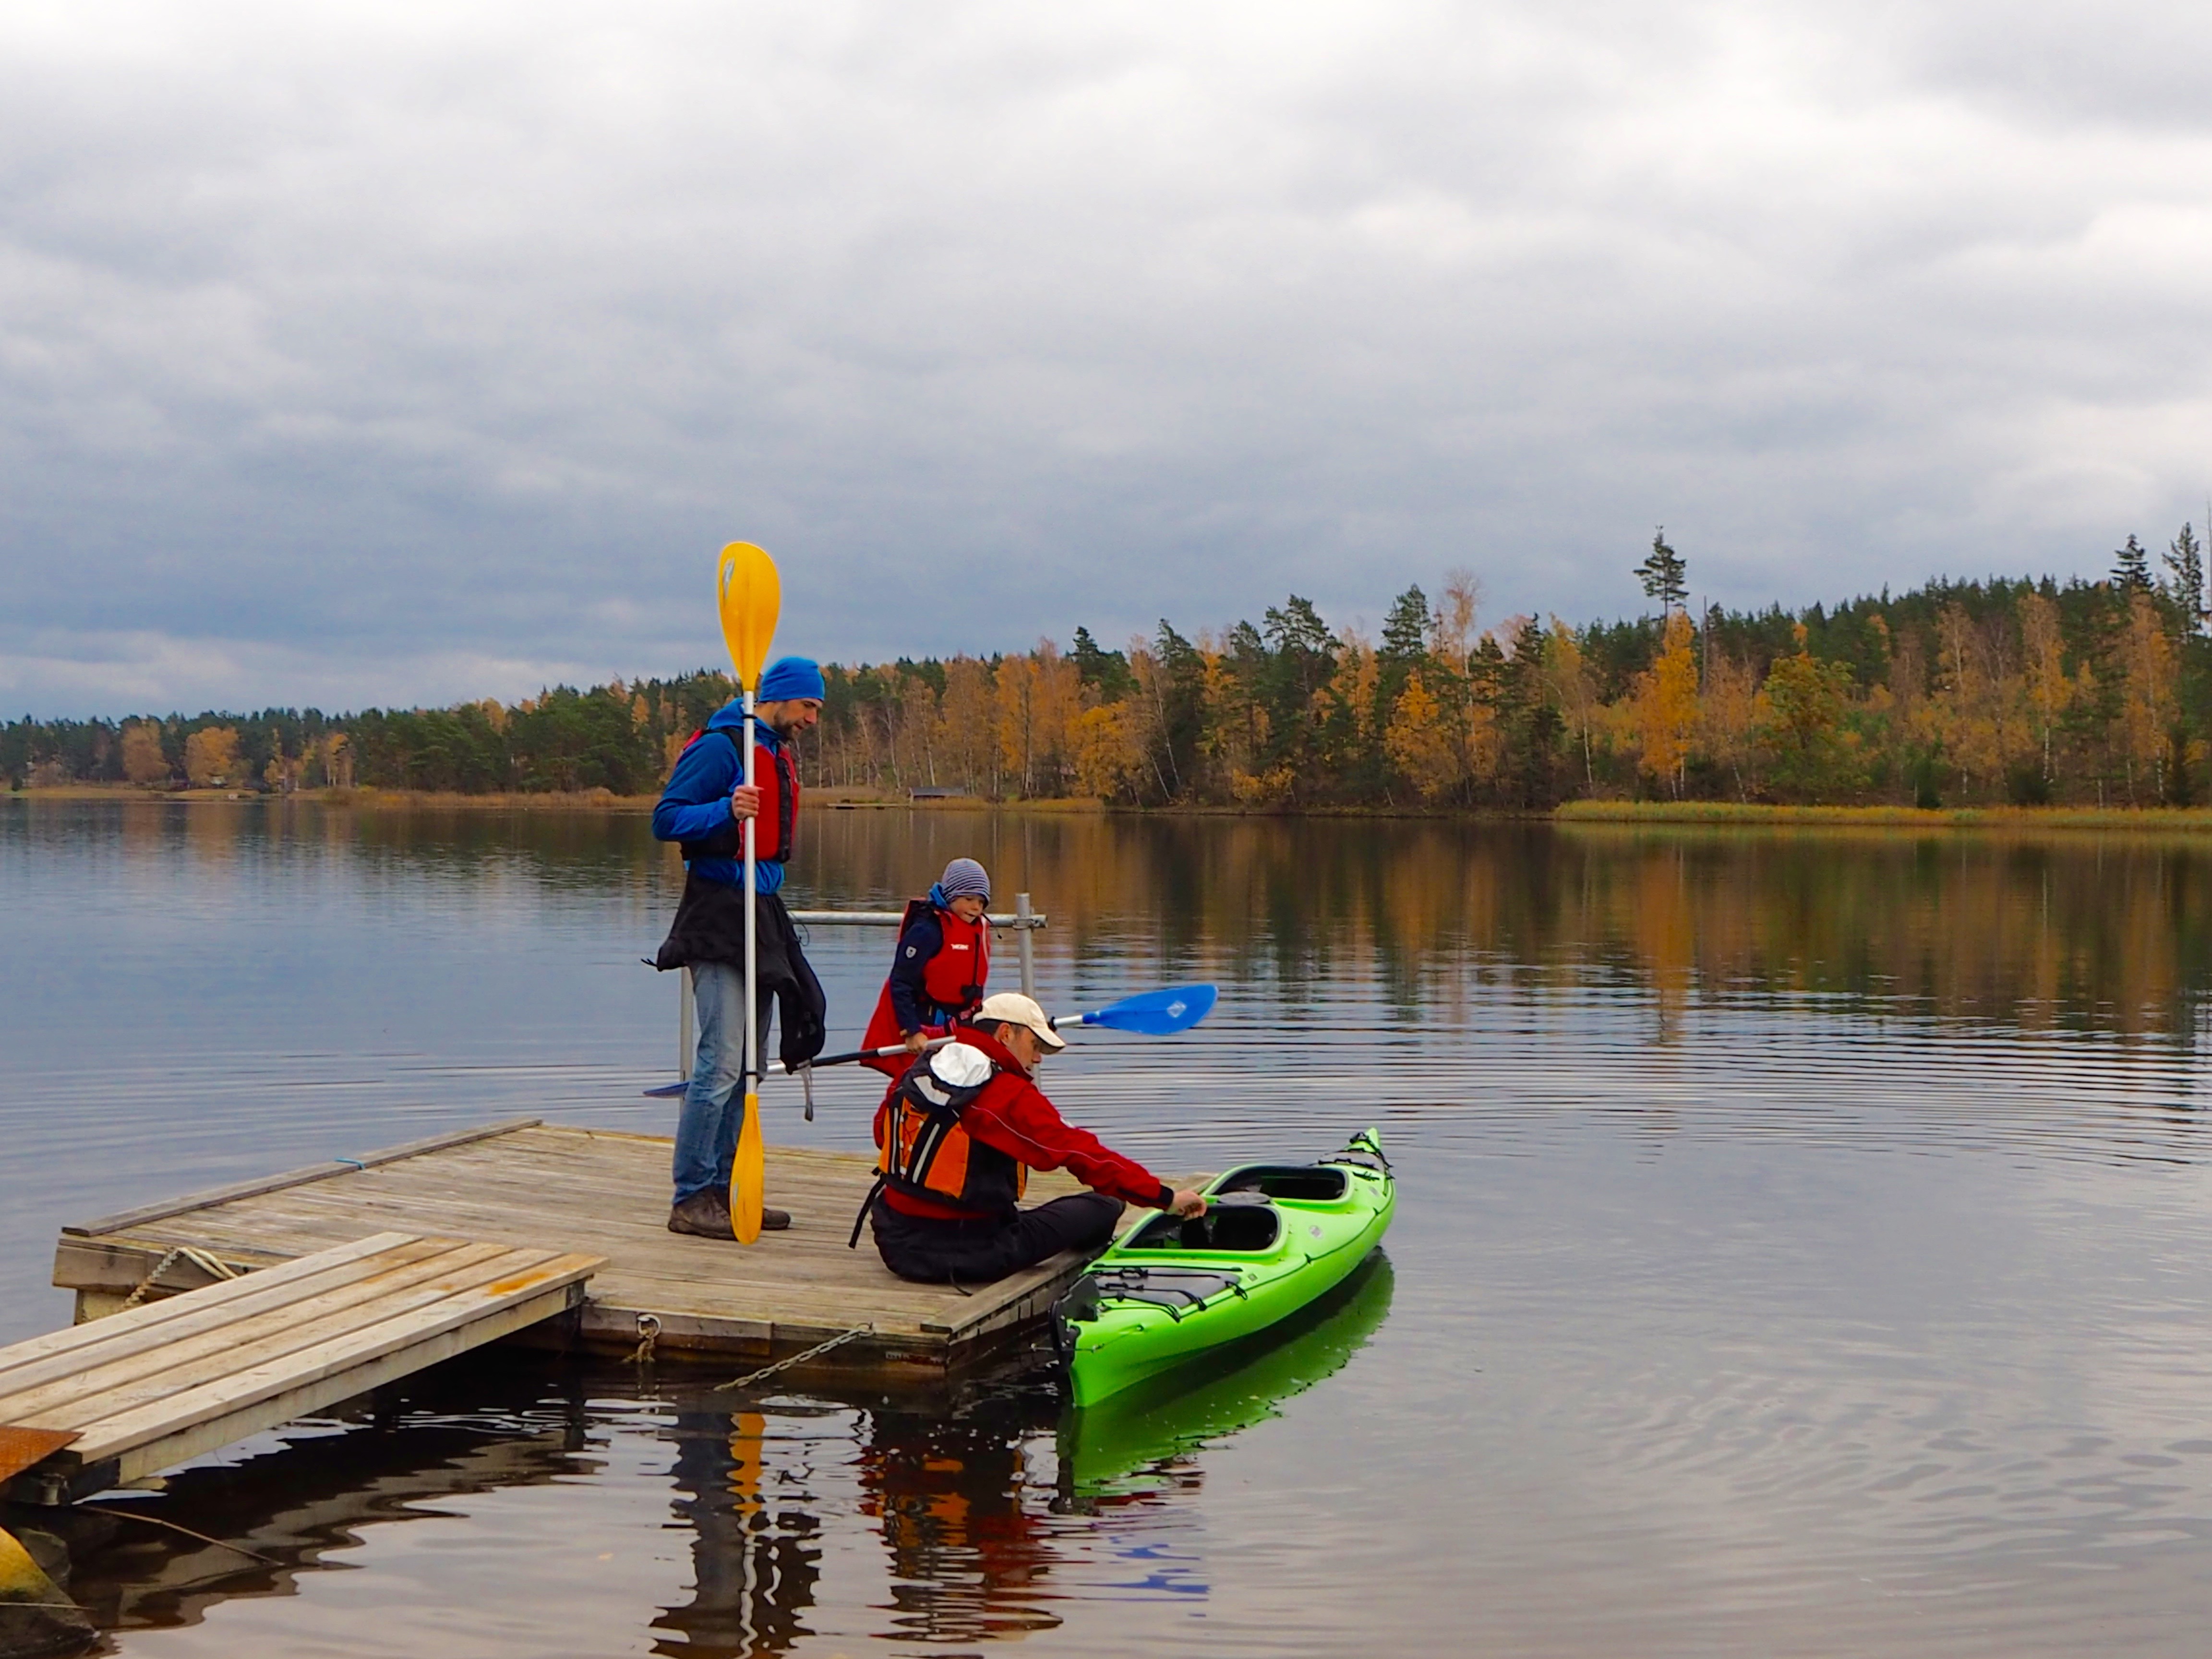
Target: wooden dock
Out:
[604,1194]
[107,1402]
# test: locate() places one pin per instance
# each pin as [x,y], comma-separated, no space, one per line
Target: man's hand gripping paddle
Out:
[1149,1013]
[748,594]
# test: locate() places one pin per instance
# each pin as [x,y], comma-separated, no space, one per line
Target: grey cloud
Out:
[382,348]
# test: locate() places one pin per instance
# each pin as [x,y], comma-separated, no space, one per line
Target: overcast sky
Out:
[406,353]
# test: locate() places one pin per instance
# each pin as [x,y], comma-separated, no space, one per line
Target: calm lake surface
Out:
[1804,1243]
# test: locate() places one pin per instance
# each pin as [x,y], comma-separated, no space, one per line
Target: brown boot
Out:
[707,1215]
[704,1215]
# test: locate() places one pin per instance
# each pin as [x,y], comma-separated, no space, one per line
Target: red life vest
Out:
[776,773]
[922,1151]
[952,981]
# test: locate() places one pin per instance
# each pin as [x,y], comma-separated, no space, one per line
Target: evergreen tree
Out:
[2131,568]
[2185,559]
[1665,573]
[1105,672]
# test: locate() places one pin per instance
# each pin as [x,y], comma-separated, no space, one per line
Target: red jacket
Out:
[1012,1115]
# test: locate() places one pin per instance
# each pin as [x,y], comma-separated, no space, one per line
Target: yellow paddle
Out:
[748,594]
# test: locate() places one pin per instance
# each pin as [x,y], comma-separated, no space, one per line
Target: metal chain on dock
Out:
[766,1371]
[648,1333]
[198,1258]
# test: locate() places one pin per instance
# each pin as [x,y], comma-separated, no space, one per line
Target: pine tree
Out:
[2131,568]
[2185,559]
[1665,573]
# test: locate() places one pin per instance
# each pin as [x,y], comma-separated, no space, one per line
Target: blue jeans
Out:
[714,1104]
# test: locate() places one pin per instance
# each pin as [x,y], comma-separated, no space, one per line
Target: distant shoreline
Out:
[1578,813]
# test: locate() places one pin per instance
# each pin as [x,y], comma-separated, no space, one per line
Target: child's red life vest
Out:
[952,981]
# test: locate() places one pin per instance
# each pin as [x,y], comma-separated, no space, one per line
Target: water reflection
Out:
[755,1549]
[2078,933]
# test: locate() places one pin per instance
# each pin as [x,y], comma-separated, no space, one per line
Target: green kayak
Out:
[1276,1236]
[1126,1445]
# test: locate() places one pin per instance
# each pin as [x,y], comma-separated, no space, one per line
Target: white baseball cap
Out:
[1013,1008]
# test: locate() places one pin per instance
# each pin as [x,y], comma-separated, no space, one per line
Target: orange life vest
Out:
[922,1148]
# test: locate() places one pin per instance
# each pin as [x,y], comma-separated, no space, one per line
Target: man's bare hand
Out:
[1187,1204]
[916,1041]
[744,800]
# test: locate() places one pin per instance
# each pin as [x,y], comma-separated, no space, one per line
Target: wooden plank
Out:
[49,1394]
[310,1397]
[122,1218]
[265,1379]
[213,1296]
[182,1318]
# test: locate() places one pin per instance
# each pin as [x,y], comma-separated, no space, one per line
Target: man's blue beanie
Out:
[792,677]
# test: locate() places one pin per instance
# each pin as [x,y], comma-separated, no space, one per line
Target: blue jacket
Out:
[696,801]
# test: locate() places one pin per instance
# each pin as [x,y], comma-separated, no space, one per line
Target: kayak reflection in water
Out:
[956,1141]
[1137,1443]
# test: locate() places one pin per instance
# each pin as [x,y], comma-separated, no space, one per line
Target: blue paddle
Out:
[1149,1013]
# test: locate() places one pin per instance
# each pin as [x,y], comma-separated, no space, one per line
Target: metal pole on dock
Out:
[683,1043]
[1025,924]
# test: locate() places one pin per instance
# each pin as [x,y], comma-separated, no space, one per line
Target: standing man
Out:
[956,1141]
[705,802]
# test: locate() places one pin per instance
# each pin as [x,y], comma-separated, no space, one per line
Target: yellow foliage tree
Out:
[1107,757]
[2049,690]
[1419,741]
[967,725]
[2148,705]
[211,755]
[142,759]
[1667,704]
[1576,688]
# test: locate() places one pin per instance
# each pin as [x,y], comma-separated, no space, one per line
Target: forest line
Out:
[1956,693]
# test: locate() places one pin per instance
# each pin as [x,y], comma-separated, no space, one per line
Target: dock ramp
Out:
[142,1390]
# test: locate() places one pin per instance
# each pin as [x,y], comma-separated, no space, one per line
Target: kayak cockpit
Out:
[1305,1183]
[1245,1229]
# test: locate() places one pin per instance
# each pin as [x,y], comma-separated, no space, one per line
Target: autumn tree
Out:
[1801,708]
[142,759]
[2148,705]
[211,755]
[2049,690]
[1667,704]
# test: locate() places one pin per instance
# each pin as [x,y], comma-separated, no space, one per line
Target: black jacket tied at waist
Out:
[710,927]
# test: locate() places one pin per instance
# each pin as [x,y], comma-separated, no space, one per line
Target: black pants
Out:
[977,1252]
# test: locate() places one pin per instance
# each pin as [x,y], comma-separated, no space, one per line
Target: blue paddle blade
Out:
[1157,1013]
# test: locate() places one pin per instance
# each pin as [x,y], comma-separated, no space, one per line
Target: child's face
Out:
[968,907]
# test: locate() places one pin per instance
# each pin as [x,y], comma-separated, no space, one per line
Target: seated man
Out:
[955,1143]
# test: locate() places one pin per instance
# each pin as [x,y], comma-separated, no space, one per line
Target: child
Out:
[939,968]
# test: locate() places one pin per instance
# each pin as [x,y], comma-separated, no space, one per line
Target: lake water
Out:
[1802,1247]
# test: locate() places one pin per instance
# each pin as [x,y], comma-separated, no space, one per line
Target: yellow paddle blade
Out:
[749,593]
[747,1176]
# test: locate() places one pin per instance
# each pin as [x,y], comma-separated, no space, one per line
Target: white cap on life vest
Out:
[1013,1008]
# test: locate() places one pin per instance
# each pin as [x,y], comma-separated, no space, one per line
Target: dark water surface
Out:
[1803,1245]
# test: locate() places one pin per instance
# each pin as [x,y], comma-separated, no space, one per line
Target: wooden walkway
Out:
[144,1389]
[603,1193]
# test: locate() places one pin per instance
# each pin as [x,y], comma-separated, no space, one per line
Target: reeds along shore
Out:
[1973,694]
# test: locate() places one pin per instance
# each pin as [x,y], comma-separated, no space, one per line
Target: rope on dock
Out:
[648,1333]
[199,1258]
[766,1371]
